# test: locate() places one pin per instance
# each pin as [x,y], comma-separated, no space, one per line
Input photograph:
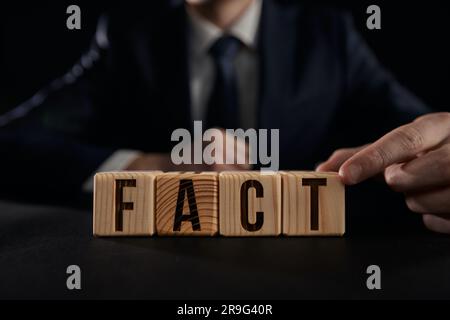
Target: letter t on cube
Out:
[313,204]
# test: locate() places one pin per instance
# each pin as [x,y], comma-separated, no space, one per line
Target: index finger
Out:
[397,146]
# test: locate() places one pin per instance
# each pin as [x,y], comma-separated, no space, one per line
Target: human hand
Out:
[415,160]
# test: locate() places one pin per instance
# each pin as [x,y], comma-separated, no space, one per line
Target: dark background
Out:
[36,46]
[37,243]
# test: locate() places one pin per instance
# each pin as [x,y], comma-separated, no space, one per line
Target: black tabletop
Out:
[38,243]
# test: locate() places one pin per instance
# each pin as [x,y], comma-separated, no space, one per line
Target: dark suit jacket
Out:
[320,85]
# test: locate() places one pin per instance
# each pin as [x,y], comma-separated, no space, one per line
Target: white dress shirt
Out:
[202,35]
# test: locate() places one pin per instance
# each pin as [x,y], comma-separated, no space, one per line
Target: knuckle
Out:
[410,138]
[379,158]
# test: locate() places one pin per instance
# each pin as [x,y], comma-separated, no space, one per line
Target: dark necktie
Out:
[223,104]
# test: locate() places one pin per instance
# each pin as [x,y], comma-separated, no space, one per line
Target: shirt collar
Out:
[204,33]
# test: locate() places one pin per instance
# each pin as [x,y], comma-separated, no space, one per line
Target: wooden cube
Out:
[250,203]
[124,203]
[313,204]
[187,204]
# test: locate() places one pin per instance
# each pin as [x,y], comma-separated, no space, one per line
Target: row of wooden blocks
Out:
[241,203]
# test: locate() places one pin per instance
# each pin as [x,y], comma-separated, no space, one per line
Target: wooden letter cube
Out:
[187,204]
[250,203]
[124,203]
[313,204]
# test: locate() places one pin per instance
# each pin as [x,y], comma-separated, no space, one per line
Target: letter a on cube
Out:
[124,203]
[313,204]
[187,204]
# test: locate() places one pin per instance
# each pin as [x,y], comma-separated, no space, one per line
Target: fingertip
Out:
[350,173]
[343,176]
[321,167]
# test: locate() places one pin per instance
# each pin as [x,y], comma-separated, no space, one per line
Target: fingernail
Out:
[351,174]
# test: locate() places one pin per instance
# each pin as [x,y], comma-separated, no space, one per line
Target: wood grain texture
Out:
[137,206]
[199,208]
[298,219]
[237,194]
